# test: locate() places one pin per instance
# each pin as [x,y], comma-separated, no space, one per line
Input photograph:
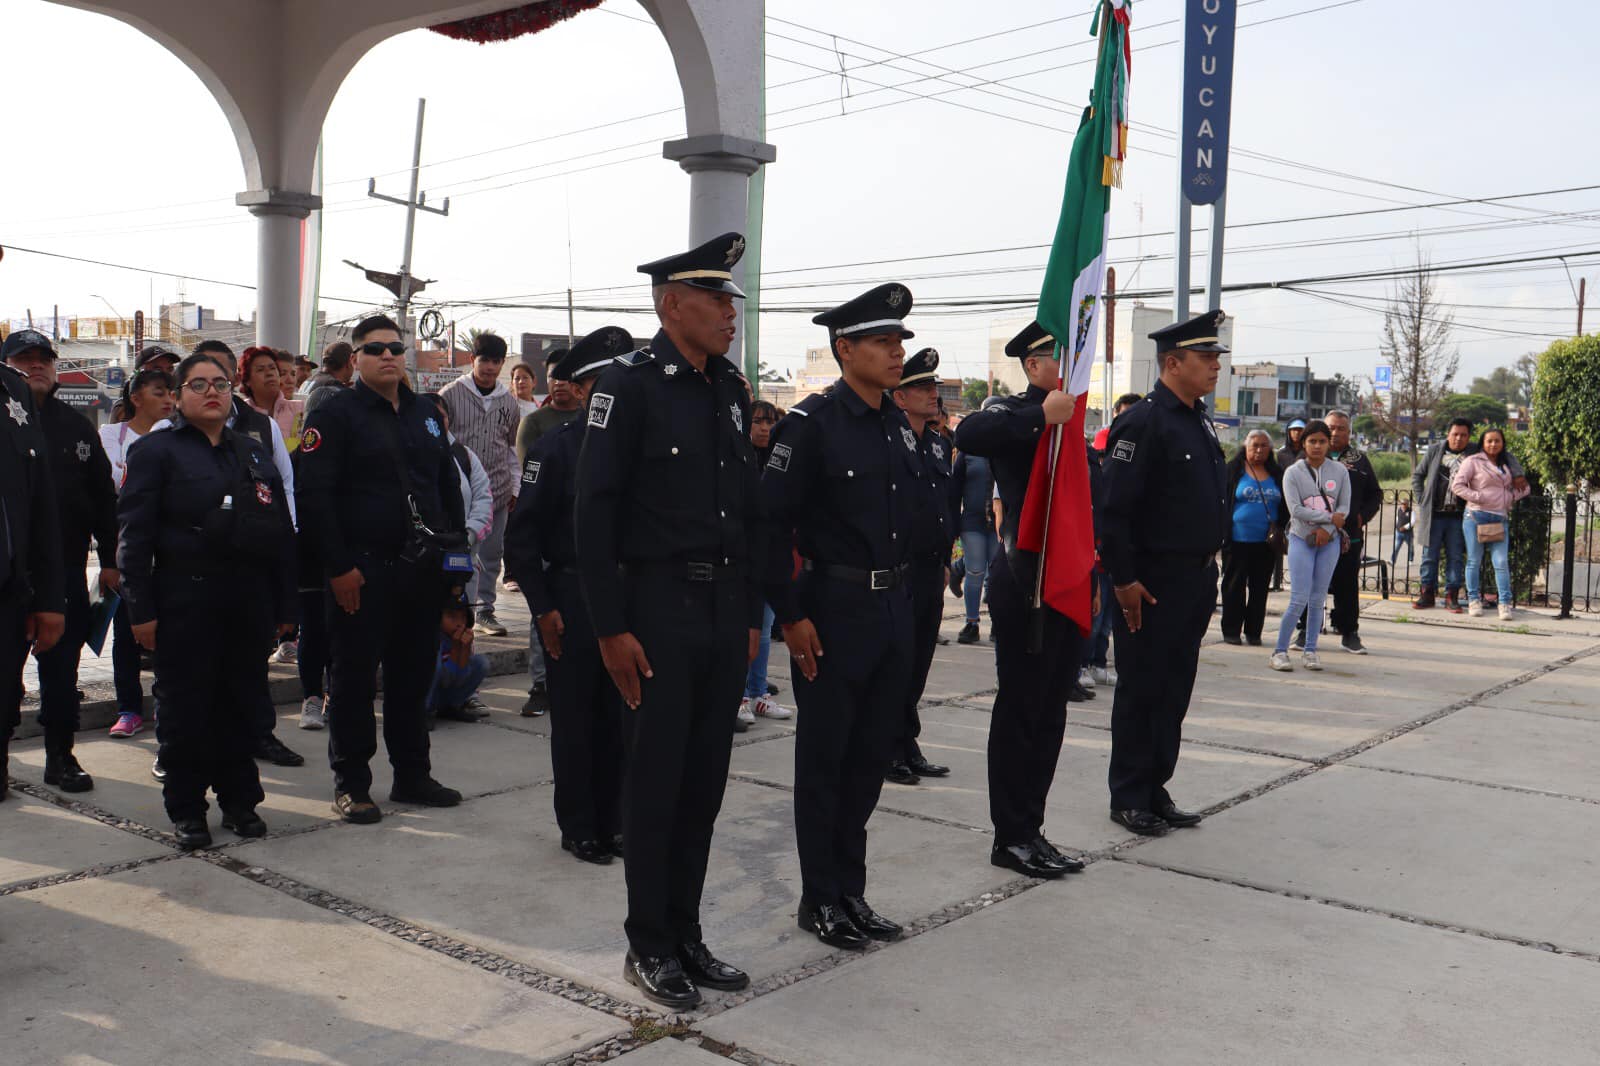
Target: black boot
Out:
[61,767]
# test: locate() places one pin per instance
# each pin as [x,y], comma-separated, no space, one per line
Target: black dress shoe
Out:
[832,926]
[273,751]
[244,823]
[1048,852]
[968,634]
[869,921]
[1254,642]
[1178,819]
[425,791]
[357,808]
[923,768]
[708,971]
[662,980]
[1078,694]
[192,833]
[1145,823]
[1024,860]
[900,774]
[588,850]
[1232,638]
[158,771]
[61,769]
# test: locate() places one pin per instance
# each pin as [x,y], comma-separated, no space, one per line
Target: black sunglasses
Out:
[375,348]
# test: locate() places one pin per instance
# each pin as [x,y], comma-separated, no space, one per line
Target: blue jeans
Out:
[978,550]
[1099,642]
[1402,537]
[1444,535]
[755,679]
[1310,571]
[452,687]
[1499,556]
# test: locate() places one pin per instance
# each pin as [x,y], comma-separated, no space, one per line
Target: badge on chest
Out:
[909,437]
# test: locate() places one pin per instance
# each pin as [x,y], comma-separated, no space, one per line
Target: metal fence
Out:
[1552,537]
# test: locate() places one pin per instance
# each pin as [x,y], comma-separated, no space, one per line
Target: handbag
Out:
[1491,532]
[1275,537]
[1344,538]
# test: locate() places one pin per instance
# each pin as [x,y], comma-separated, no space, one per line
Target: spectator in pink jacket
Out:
[1484,480]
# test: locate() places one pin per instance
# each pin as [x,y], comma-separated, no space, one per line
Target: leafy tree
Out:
[1479,410]
[1415,341]
[975,390]
[1503,383]
[1526,367]
[1529,520]
[1565,433]
[768,374]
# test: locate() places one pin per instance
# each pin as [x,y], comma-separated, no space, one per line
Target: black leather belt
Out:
[705,573]
[875,580]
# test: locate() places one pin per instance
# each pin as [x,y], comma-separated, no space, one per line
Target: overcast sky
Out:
[120,154]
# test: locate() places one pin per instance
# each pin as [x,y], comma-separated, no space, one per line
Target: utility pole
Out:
[1111,341]
[1583,284]
[403,284]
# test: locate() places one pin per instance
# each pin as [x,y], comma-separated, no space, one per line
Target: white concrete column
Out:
[278,215]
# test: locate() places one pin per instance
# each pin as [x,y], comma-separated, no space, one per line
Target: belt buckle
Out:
[701,572]
[878,580]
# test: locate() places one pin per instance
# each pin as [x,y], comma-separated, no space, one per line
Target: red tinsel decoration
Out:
[514,21]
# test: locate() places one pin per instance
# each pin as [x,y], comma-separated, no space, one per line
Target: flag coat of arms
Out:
[1057,516]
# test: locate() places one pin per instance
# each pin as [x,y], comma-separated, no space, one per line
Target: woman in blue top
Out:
[1247,558]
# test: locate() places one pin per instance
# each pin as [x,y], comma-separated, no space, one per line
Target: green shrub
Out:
[1528,525]
[1390,466]
[1565,434]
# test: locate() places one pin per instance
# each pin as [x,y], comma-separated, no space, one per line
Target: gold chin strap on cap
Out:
[1192,341]
[1041,342]
[689,275]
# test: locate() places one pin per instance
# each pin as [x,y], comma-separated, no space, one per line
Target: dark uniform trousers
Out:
[585,722]
[696,638]
[210,630]
[1030,708]
[1155,678]
[927,611]
[58,667]
[397,625]
[13,655]
[850,719]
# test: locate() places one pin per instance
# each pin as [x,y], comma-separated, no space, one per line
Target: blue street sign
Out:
[1207,97]
[1383,378]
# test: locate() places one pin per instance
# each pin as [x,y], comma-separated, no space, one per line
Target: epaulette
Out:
[638,358]
[809,404]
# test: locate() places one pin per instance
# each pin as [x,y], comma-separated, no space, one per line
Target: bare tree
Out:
[1416,343]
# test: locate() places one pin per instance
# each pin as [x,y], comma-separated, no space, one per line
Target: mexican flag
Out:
[1057,519]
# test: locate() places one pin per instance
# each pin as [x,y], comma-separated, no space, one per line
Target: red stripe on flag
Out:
[1069,542]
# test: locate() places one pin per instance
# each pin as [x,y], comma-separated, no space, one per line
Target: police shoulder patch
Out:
[530,472]
[779,459]
[310,441]
[600,409]
[1123,450]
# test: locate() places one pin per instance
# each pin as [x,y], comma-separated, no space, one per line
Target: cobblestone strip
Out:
[89,810]
[86,873]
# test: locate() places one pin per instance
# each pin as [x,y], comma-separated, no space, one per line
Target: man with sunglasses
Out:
[378,488]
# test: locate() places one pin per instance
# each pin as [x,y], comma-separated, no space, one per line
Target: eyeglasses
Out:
[375,348]
[200,386]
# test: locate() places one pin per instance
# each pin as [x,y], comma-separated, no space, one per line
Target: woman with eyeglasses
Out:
[207,573]
[152,394]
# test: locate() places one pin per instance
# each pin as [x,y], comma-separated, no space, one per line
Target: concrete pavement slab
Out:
[1569,692]
[1079,801]
[1500,747]
[1489,859]
[672,1053]
[183,963]
[43,840]
[1136,966]
[491,873]
[475,758]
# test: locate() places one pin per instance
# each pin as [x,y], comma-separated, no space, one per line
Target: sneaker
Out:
[746,716]
[969,634]
[127,725]
[1105,675]
[1310,661]
[1280,661]
[489,625]
[538,701]
[1299,641]
[1505,612]
[1475,608]
[312,713]
[476,707]
[287,652]
[766,707]
[1086,678]
[1351,642]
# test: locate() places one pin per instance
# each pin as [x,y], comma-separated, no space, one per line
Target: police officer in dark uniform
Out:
[1165,517]
[933,531]
[381,501]
[542,557]
[87,502]
[667,522]
[1036,655]
[206,554]
[32,591]
[842,485]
